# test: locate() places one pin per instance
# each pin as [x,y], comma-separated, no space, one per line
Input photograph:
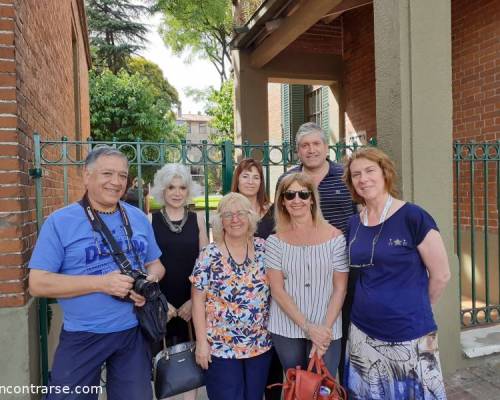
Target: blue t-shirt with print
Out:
[391,300]
[68,245]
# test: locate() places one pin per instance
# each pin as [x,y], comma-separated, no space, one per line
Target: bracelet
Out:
[305,328]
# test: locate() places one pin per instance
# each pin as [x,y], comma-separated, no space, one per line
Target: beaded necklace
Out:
[174,227]
[107,212]
[232,261]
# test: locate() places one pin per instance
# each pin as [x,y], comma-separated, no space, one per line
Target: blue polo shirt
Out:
[391,301]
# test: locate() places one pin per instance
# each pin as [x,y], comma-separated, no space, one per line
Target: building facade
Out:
[44,66]
[415,75]
[198,126]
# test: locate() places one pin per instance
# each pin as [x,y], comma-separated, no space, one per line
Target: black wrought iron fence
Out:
[477,228]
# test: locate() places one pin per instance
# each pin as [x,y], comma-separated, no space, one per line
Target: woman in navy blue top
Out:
[403,270]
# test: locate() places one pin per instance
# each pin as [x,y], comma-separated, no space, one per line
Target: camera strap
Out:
[98,225]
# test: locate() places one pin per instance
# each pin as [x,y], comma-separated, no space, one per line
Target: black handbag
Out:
[175,370]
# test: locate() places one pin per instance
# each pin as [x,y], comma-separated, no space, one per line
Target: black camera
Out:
[149,290]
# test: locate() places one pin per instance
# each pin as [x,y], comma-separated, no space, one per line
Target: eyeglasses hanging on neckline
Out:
[374,242]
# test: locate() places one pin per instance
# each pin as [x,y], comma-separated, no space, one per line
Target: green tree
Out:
[128,106]
[115,32]
[220,106]
[201,27]
[154,74]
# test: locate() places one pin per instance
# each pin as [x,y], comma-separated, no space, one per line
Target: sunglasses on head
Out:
[291,194]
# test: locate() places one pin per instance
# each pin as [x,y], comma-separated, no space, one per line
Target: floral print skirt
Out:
[393,371]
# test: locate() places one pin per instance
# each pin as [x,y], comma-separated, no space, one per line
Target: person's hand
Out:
[320,335]
[153,278]
[184,311]
[117,284]
[202,353]
[320,351]
[138,300]
[172,312]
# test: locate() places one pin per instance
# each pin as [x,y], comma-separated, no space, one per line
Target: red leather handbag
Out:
[310,385]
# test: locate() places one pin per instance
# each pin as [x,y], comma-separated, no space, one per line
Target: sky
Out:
[198,74]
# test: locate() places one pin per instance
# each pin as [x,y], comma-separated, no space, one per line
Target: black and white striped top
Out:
[308,274]
[334,197]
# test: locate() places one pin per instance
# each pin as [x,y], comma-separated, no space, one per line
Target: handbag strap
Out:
[190,330]
[315,363]
[190,335]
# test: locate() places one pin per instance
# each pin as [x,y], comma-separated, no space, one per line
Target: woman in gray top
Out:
[307,269]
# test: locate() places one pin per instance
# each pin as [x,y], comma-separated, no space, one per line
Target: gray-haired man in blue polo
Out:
[72,263]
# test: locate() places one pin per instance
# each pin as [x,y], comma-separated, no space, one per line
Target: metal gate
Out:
[477,228]
[58,166]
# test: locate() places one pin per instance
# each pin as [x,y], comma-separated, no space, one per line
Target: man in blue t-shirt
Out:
[72,263]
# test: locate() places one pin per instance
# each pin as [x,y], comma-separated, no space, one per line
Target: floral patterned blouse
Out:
[237,302]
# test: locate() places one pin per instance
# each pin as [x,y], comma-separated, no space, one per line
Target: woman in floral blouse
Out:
[230,298]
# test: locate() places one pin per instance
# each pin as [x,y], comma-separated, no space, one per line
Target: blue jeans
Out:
[79,358]
[293,352]
[237,378]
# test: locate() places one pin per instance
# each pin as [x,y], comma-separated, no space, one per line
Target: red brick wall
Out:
[359,71]
[476,66]
[36,94]
[476,99]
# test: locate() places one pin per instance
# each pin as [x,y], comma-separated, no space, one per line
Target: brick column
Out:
[18,312]
[13,174]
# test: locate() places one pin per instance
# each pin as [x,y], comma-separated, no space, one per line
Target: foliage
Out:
[245,9]
[199,96]
[201,27]
[221,108]
[154,74]
[115,32]
[214,180]
[128,106]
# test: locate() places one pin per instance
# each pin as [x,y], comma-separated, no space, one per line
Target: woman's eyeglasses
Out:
[228,215]
[374,242]
[292,194]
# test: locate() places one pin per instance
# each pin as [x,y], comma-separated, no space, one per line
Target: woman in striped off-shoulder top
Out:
[307,268]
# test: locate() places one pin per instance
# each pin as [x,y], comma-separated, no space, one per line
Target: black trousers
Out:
[275,376]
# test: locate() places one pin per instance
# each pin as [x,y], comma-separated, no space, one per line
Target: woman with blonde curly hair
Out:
[231,305]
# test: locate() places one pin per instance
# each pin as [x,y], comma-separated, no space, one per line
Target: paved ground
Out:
[479,382]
